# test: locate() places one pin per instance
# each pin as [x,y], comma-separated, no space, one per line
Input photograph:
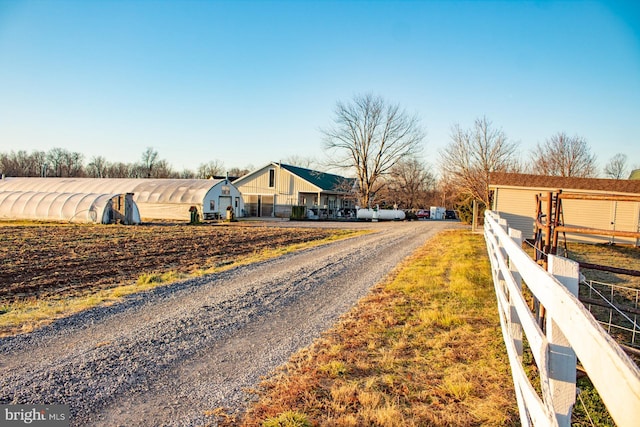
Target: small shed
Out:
[68,207]
[164,199]
[514,197]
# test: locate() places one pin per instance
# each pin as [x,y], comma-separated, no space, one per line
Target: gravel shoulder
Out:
[171,355]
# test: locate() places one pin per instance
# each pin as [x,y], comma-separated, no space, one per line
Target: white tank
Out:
[381,214]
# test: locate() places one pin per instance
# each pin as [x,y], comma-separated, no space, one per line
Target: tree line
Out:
[62,163]
[378,143]
[381,143]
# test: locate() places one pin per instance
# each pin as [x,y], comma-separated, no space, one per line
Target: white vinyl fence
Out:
[569,332]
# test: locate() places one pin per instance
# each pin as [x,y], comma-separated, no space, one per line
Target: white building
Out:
[164,199]
[273,191]
[68,207]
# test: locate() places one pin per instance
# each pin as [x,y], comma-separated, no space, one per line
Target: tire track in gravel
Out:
[165,357]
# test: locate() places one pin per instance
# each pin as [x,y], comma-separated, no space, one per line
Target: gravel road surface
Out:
[167,356]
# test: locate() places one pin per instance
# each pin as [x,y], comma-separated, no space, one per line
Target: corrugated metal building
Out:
[274,189]
[514,197]
[169,199]
[68,207]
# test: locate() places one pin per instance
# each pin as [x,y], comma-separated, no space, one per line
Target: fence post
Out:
[562,358]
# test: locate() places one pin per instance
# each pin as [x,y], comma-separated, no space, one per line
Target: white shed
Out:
[69,207]
[169,199]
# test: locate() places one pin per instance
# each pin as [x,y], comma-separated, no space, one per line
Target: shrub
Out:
[288,419]
[465,210]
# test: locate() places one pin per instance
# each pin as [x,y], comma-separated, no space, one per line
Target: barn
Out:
[68,207]
[274,189]
[162,199]
[514,197]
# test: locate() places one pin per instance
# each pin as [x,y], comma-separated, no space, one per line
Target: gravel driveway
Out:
[167,356]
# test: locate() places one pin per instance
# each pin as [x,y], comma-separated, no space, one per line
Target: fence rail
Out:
[569,332]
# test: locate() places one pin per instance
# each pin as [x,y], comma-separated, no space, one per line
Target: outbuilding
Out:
[163,199]
[513,195]
[274,190]
[68,207]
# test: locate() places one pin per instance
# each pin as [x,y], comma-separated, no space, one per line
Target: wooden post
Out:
[547,226]
[562,358]
[474,220]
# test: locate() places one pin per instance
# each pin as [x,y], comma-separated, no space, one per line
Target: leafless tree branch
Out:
[370,136]
[473,154]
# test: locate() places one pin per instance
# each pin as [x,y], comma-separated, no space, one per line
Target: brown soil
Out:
[44,260]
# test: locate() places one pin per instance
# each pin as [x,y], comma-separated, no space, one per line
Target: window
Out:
[272,178]
[225,190]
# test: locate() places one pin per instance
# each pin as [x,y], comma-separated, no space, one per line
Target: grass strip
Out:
[423,349]
[26,315]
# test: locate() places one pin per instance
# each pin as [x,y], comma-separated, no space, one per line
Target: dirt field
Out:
[62,260]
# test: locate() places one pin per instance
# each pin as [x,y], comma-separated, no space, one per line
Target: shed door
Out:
[223,203]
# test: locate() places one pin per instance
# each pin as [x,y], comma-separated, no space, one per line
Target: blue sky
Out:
[249,82]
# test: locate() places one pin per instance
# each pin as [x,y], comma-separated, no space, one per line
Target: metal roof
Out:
[322,180]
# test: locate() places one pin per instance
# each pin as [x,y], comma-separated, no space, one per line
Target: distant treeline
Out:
[62,163]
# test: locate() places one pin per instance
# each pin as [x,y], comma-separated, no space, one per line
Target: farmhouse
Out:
[514,197]
[69,207]
[165,199]
[273,191]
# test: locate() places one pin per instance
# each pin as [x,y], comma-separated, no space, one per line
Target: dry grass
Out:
[423,349]
[611,255]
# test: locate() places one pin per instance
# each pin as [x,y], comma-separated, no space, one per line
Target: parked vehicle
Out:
[423,214]
[450,215]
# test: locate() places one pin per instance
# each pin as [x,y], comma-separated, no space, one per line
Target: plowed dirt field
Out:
[61,260]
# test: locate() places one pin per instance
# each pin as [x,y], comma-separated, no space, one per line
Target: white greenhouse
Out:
[164,199]
[68,207]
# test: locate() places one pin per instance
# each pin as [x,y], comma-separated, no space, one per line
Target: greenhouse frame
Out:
[161,199]
[68,207]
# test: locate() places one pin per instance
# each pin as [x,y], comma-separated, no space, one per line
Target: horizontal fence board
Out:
[614,375]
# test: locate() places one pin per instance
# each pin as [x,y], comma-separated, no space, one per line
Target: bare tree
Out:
[162,169]
[119,170]
[446,193]
[617,167]
[187,174]
[210,169]
[566,156]
[237,172]
[411,184]
[55,160]
[73,165]
[38,163]
[149,161]
[370,136]
[301,162]
[16,163]
[97,168]
[473,154]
